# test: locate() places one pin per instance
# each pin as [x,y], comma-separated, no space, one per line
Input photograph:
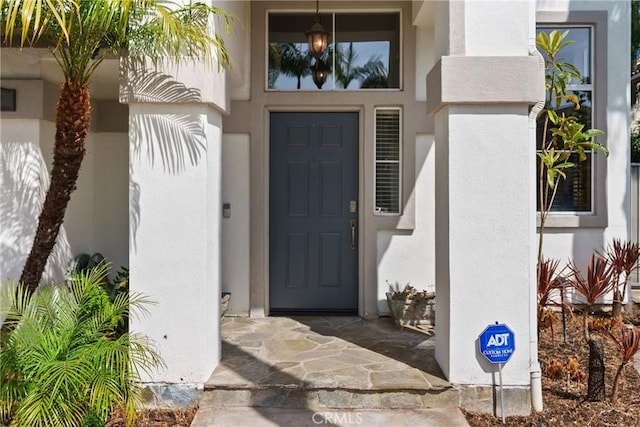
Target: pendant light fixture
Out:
[319,73]
[317,36]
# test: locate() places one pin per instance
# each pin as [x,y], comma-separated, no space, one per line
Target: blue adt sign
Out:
[497,343]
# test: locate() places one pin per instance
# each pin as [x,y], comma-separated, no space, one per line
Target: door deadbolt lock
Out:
[353,206]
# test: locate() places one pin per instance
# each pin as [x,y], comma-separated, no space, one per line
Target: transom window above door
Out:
[363,52]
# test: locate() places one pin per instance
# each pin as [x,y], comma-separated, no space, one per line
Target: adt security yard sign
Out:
[497,343]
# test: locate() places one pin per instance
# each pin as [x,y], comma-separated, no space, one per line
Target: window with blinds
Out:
[574,193]
[388,137]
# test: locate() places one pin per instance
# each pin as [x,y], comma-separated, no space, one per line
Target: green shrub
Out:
[63,361]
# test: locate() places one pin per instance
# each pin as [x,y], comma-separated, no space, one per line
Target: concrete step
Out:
[330,398]
[278,417]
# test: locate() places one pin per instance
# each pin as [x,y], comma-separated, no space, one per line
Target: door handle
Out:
[353,234]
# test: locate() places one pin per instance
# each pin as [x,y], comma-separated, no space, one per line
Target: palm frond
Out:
[65,360]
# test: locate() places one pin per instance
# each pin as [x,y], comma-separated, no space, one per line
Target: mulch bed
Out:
[564,395]
[156,418]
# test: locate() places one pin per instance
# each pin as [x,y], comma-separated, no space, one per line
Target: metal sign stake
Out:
[501,393]
[497,344]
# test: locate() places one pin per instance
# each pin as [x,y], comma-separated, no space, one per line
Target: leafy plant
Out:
[596,285]
[62,361]
[554,368]
[409,293]
[85,262]
[564,138]
[549,281]
[574,371]
[629,345]
[623,259]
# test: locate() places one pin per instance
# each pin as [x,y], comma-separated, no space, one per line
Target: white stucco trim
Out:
[484,80]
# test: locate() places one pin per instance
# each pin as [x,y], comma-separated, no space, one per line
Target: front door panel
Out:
[313,212]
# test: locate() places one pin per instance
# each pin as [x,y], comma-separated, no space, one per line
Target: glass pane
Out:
[579,52]
[289,62]
[366,54]
[367,51]
[574,192]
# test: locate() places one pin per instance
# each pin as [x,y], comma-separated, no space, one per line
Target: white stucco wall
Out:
[489,261]
[425,59]
[238,43]
[236,229]
[484,212]
[96,219]
[25,147]
[410,258]
[174,249]
[110,197]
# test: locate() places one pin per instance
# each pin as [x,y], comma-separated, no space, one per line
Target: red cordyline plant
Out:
[596,285]
[622,258]
[548,281]
[629,345]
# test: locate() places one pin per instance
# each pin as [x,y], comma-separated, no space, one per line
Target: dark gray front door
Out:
[313,213]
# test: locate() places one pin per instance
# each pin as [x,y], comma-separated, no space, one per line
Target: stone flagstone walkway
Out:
[347,360]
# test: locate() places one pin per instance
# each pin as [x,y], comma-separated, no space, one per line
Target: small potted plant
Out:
[410,306]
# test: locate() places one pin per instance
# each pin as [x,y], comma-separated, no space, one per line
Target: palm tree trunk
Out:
[72,125]
[595,381]
[616,306]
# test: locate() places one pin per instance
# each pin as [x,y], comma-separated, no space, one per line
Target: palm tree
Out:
[293,61]
[80,33]
[275,63]
[68,359]
[346,71]
[374,75]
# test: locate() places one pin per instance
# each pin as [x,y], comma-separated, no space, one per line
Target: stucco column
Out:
[175,133]
[480,92]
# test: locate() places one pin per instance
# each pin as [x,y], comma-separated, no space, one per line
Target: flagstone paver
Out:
[327,362]
[325,352]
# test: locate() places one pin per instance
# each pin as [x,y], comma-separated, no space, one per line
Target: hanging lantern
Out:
[319,73]
[317,36]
